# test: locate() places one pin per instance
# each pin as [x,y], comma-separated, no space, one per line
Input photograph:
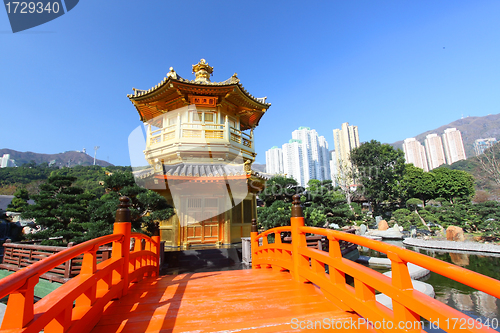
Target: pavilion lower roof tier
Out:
[190,171]
[174,93]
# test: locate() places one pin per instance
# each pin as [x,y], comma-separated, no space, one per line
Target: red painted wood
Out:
[231,301]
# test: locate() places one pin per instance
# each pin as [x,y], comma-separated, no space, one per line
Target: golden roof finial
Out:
[172,73]
[202,71]
[234,78]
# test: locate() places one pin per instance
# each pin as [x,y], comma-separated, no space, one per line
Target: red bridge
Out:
[290,288]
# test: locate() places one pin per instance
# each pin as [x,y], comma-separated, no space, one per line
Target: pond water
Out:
[476,304]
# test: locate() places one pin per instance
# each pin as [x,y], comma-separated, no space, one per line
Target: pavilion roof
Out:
[174,90]
[203,170]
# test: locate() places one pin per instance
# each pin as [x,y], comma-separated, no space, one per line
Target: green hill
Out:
[66,159]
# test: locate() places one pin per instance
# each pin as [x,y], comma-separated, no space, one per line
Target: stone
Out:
[454,233]
[392,233]
[362,229]
[382,225]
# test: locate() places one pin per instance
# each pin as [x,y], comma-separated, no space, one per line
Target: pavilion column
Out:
[227,129]
[178,127]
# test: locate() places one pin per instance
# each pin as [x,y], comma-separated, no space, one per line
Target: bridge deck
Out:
[256,300]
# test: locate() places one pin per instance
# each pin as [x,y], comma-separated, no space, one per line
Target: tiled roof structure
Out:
[202,170]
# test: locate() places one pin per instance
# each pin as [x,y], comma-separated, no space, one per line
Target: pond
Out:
[476,304]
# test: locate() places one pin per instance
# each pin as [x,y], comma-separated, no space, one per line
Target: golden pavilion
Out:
[199,151]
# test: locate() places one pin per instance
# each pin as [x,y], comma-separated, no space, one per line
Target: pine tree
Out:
[59,209]
[20,201]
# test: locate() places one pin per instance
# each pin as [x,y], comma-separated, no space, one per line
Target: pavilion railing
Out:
[77,305]
[409,306]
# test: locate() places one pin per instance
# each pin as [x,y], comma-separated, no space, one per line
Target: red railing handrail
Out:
[18,279]
[84,297]
[457,273]
[408,305]
[274,231]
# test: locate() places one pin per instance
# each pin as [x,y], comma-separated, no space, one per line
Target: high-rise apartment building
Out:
[453,145]
[274,161]
[415,153]
[333,168]
[315,154]
[346,139]
[434,151]
[303,158]
[293,161]
[5,161]
[323,165]
[480,145]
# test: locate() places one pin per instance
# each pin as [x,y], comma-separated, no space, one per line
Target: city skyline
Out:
[436,151]
[304,157]
[323,64]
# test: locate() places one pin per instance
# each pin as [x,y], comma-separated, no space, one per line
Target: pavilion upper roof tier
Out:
[174,92]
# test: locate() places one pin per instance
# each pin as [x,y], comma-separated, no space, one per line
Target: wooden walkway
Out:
[257,300]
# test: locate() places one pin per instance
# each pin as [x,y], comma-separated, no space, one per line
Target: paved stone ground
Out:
[451,245]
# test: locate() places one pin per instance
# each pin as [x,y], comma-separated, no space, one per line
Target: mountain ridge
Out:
[68,158]
[471,128]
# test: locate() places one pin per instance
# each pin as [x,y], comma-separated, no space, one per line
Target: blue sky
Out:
[393,68]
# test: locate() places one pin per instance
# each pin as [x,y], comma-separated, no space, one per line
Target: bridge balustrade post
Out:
[155,247]
[254,243]
[121,249]
[298,239]
[401,279]
[20,311]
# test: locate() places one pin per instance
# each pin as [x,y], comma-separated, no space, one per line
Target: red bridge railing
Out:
[409,305]
[77,305]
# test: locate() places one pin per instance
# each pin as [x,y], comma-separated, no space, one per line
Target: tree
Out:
[380,169]
[60,209]
[20,201]
[275,215]
[327,206]
[453,184]
[417,183]
[279,188]
[345,178]
[413,204]
[147,207]
[489,162]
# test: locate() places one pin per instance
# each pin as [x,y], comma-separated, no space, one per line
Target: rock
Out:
[362,229]
[382,225]
[373,237]
[416,272]
[392,233]
[454,233]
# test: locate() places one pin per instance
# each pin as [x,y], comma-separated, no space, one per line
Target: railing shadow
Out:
[146,309]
